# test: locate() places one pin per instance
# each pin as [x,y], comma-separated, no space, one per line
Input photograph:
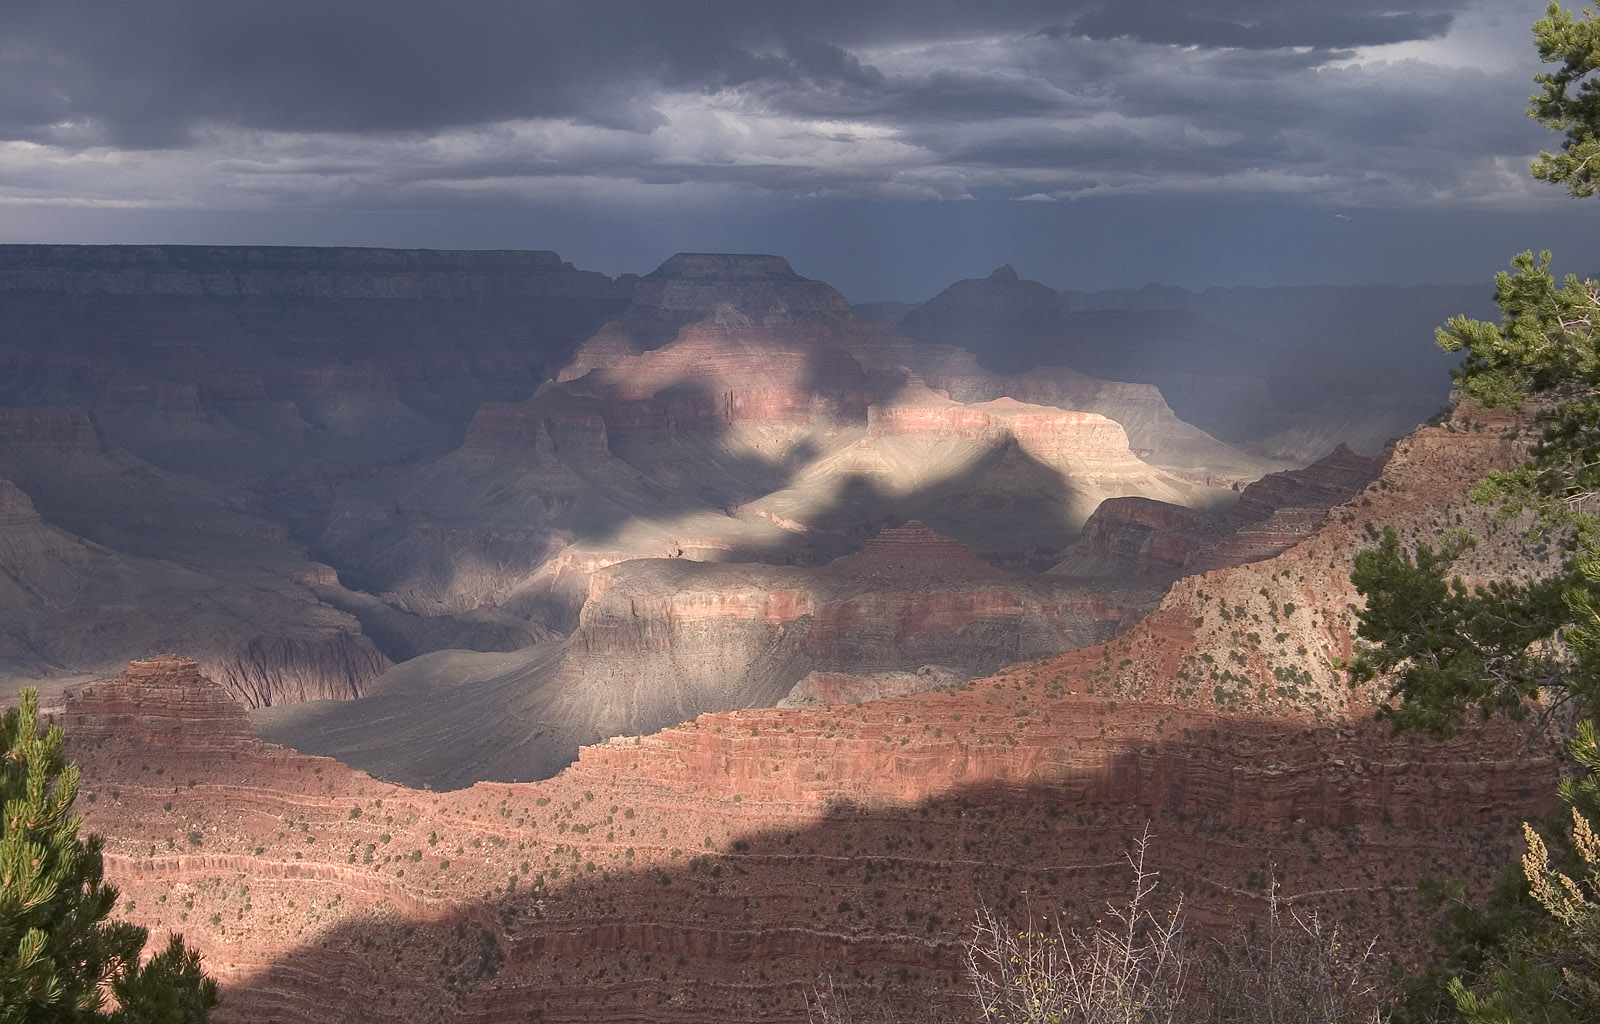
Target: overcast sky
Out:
[887,147]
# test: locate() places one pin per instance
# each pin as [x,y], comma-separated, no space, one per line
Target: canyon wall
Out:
[659,641]
[300,467]
[734,864]
[1150,539]
[178,416]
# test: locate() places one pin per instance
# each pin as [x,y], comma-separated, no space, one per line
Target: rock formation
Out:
[273,460]
[1139,537]
[1289,372]
[737,412]
[659,641]
[178,415]
[1149,539]
[301,466]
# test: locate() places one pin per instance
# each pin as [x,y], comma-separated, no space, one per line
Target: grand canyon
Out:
[467,636]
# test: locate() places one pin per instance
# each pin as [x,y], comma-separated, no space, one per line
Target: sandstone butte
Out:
[727,868]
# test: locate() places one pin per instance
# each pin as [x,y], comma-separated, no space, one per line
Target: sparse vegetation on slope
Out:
[1137,965]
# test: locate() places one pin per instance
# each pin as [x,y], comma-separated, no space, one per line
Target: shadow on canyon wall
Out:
[733,921]
[525,715]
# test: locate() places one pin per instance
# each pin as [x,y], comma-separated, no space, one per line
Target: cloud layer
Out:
[421,104]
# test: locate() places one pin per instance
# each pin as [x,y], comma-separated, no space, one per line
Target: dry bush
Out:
[1130,968]
[1295,968]
[1136,966]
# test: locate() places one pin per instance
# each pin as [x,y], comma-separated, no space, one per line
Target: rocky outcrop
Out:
[913,556]
[1138,537]
[1141,537]
[163,703]
[1272,635]
[1331,480]
[1280,509]
[272,670]
[659,641]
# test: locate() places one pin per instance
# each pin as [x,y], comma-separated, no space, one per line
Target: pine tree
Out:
[1569,99]
[1533,955]
[60,956]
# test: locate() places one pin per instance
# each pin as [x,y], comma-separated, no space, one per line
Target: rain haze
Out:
[887,147]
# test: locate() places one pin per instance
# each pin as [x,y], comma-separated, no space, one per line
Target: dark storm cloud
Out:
[147,73]
[1264,24]
[427,104]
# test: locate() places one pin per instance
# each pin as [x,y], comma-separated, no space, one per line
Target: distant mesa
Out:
[725,266]
[692,285]
[396,275]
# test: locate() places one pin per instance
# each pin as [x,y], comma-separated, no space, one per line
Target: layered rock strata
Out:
[739,412]
[733,864]
[1152,539]
[659,641]
[727,865]
[300,466]
[182,414]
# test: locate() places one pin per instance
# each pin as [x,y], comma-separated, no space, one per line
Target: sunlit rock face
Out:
[738,412]
[1150,539]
